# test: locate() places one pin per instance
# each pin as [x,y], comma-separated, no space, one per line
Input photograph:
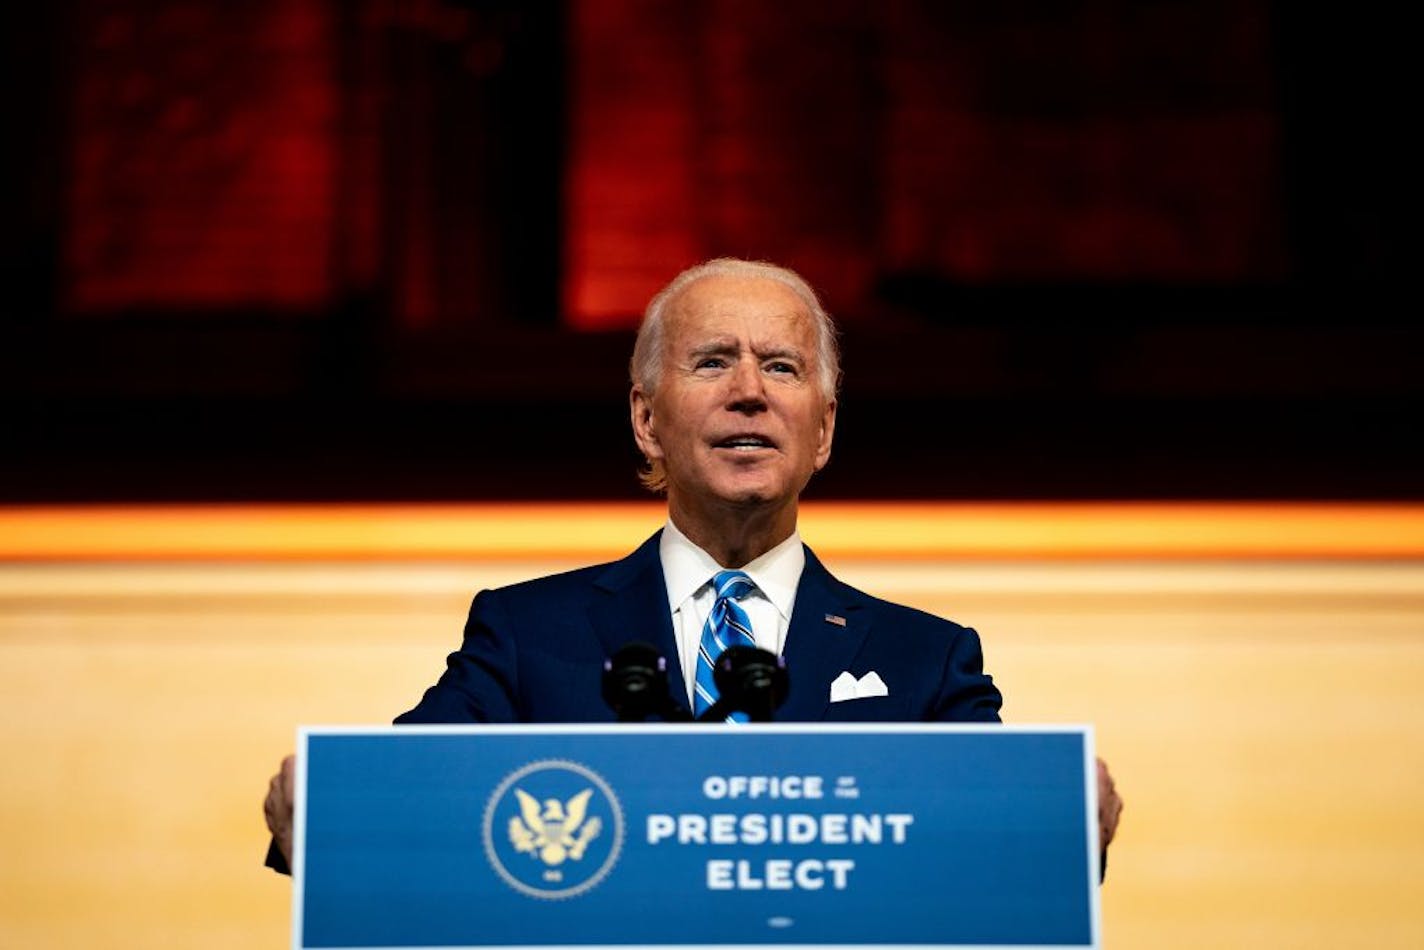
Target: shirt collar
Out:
[686,568]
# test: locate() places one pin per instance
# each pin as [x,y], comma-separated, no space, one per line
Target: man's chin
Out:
[752,493]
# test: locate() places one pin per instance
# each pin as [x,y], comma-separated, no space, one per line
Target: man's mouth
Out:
[745,443]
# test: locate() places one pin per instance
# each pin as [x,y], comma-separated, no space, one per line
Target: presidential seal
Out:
[553,829]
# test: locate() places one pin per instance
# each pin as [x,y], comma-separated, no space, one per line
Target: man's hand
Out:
[1109,807]
[282,790]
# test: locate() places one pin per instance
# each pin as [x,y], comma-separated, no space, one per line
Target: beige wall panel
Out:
[1263,719]
[1263,722]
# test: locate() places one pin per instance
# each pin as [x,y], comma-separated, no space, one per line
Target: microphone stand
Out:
[635,685]
[750,681]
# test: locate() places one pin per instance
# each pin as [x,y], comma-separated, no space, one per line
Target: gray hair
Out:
[646,367]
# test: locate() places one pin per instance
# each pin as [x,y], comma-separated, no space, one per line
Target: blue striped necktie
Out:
[727,626]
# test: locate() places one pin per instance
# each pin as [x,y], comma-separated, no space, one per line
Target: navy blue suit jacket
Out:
[534,652]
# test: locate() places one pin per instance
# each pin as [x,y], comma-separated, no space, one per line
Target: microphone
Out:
[635,685]
[749,680]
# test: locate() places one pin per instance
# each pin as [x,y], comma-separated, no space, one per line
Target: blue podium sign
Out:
[751,835]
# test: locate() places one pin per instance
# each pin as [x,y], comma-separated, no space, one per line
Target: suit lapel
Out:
[630,604]
[818,648]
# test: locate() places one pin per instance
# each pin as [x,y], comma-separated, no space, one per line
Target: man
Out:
[733,405]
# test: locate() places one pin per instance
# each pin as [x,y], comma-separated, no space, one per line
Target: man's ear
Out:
[827,434]
[640,407]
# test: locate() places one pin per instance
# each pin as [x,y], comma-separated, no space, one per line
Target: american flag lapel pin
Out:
[838,621]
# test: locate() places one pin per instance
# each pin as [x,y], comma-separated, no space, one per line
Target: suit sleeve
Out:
[481,679]
[275,861]
[967,693]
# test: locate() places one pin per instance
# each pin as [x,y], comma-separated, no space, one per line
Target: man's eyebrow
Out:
[780,353]
[731,347]
[714,348]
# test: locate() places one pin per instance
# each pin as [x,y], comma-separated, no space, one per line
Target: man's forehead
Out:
[722,305]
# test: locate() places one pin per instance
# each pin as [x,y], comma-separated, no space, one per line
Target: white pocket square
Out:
[846,687]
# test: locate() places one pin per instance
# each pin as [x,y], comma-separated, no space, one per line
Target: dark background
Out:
[313,250]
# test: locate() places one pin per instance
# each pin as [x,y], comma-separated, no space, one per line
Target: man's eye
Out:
[710,362]
[780,366]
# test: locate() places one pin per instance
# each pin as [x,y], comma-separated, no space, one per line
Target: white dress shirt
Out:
[688,571]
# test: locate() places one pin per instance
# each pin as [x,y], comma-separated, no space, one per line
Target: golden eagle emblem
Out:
[556,831]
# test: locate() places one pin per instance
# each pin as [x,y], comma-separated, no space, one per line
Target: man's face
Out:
[738,415]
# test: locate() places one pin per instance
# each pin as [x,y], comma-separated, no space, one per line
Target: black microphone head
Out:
[635,682]
[752,680]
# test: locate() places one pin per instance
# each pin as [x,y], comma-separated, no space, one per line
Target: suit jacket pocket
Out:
[869,709]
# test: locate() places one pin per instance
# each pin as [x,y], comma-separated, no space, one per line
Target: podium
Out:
[696,836]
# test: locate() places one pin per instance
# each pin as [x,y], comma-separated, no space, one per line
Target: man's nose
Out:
[746,386]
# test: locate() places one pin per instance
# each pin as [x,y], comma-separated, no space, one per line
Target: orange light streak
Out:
[600,531]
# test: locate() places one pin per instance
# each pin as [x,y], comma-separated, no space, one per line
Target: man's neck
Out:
[734,537]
